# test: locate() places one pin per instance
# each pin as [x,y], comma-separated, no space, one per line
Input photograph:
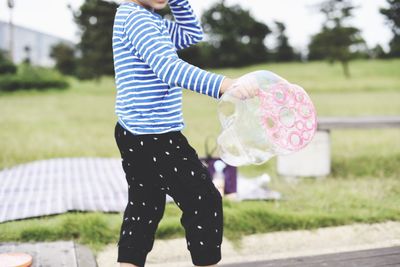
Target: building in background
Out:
[27,42]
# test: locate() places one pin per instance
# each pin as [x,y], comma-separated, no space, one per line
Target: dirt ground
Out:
[274,245]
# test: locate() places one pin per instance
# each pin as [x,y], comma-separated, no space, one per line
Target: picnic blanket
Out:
[59,185]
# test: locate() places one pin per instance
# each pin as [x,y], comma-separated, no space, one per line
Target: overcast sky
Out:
[53,17]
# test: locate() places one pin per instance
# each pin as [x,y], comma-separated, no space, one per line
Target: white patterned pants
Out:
[160,164]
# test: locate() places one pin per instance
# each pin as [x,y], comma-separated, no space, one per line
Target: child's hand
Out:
[245,87]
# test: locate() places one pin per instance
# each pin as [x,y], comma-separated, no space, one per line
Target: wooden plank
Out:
[326,123]
[367,258]
[376,261]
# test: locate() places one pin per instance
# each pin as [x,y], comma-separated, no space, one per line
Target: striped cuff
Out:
[217,87]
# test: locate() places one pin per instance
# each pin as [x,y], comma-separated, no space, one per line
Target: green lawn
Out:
[364,185]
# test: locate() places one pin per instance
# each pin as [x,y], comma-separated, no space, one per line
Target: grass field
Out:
[364,185]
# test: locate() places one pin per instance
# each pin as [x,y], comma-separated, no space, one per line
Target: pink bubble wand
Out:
[288,116]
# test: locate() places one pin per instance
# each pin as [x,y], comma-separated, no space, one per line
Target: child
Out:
[156,157]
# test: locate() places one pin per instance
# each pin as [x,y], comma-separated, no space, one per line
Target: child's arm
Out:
[150,45]
[186,29]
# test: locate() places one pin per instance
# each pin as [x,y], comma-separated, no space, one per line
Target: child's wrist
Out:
[226,83]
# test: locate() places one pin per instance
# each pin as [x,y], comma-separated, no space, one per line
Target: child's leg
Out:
[146,202]
[183,176]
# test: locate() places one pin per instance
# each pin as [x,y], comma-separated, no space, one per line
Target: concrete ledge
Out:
[328,123]
[313,160]
[59,253]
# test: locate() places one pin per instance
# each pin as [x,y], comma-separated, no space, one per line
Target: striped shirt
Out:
[149,75]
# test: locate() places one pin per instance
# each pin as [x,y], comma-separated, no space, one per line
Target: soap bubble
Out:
[278,118]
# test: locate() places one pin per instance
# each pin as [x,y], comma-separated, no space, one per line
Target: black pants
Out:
[160,164]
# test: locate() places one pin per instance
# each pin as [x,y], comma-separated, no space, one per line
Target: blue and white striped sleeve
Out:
[186,29]
[152,48]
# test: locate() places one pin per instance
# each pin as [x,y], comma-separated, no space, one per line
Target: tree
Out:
[283,51]
[377,52]
[336,41]
[64,55]
[235,37]
[95,18]
[6,65]
[392,14]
